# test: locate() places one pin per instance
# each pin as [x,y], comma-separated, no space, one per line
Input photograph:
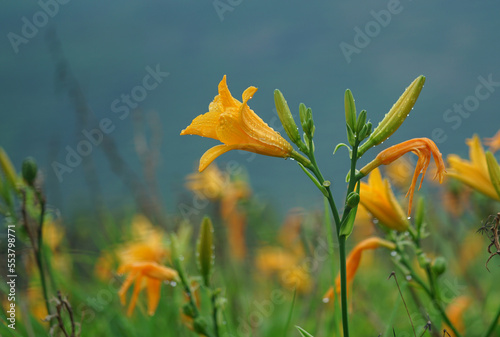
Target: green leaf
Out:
[339,145]
[303,332]
[205,250]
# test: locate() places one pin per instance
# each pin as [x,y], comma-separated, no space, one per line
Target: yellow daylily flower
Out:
[473,172]
[493,142]
[377,197]
[150,273]
[354,259]
[237,126]
[424,148]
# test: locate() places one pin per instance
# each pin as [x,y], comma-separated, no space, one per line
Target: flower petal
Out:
[153,290]
[204,125]
[210,155]
[135,295]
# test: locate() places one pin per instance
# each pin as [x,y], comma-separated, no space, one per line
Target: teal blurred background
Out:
[64,71]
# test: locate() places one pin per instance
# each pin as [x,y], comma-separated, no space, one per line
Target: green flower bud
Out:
[286,117]
[396,116]
[29,170]
[351,138]
[205,250]
[302,114]
[439,265]
[363,133]
[188,310]
[494,171]
[200,325]
[350,109]
[361,121]
[353,199]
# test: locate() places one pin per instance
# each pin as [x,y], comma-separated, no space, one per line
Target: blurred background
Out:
[70,67]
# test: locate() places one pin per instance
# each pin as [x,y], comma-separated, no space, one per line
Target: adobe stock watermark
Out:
[363,37]
[455,116]
[121,107]
[223,6]
[31,26]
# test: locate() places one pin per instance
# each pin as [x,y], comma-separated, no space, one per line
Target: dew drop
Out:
[326,300]
[393,253]
[173,283]
[408,278]
[409,218]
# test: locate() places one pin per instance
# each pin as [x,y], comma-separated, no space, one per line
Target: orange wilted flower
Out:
[354,259]
[149,274]
[455,311]
[474,172]
[237,126]
[493,142]
[378,199]
[424,148]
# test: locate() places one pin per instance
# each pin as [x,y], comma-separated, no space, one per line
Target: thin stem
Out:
[39,249]
[214,313]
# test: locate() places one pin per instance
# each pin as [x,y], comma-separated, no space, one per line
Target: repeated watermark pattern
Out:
[121,107]
[31,26]
[455,116]
[223,6]
[363,37]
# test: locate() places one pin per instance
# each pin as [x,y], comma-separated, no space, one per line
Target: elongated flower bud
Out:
[286,117]
[350,109]
[396,116]
[205,251]
[494,171]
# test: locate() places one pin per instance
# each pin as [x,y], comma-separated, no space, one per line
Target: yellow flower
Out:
[237,126]
[473,173]
[377,197]
[424,148]
[354,259]
[286,265]
[399,172]
[208,184]
[147,245]
[148,274]
[493,142]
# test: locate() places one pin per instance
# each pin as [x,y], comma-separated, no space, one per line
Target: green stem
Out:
[39,250]
[343,285]
[214,313]
[493,324]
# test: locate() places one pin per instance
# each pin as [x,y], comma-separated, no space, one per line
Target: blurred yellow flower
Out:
[473,173]
[354,259]
[237,126]
[208,184]
[378,198]
[493,142]
[455,311]
[424,148]
[399,172]
[144,274]
[147,244]
[286,265]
